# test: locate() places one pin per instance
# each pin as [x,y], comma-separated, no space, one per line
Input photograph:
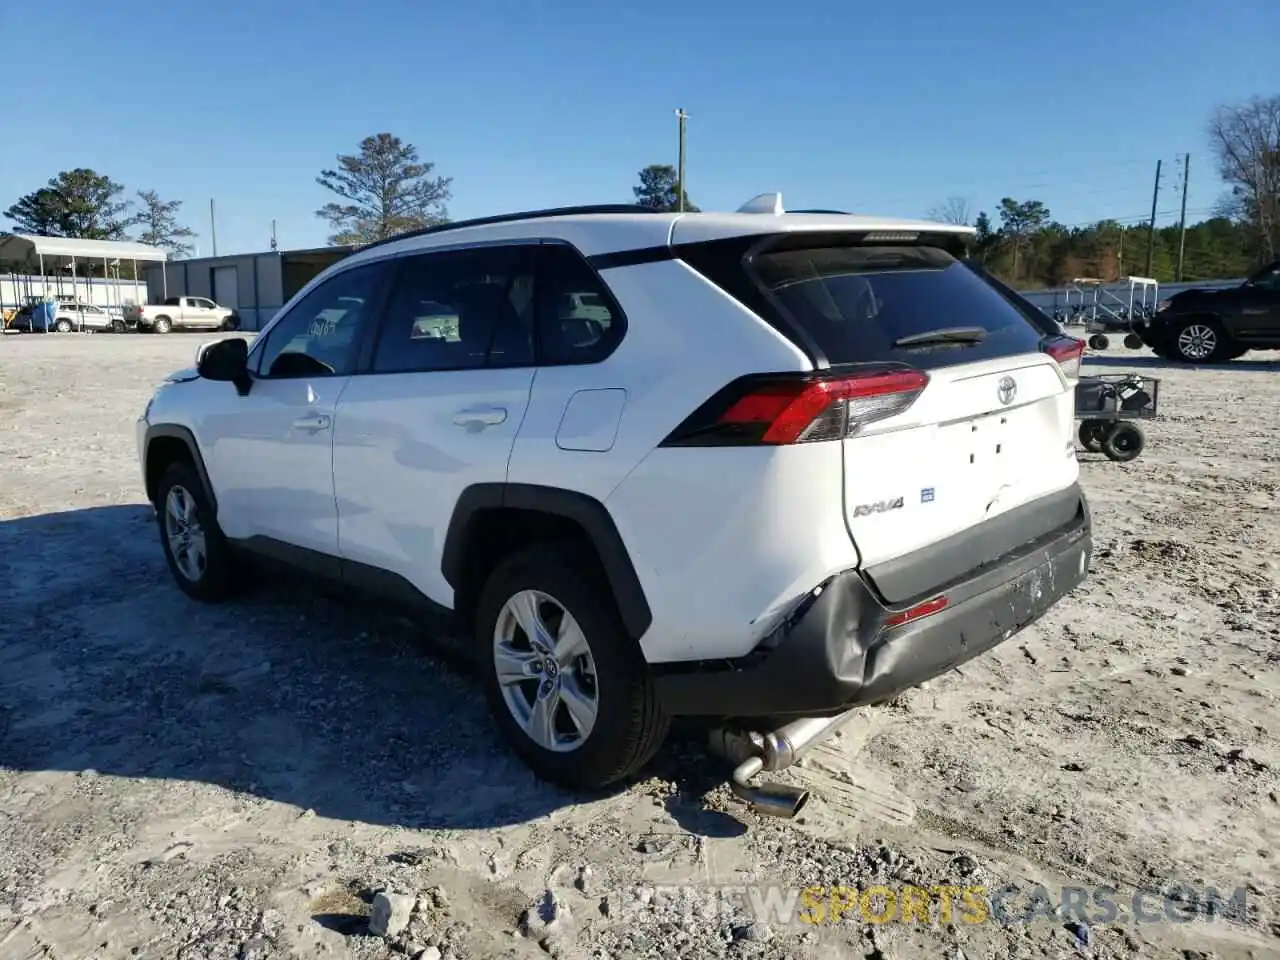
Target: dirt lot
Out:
[180,781]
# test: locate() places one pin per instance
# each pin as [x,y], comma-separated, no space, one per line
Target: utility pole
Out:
[213,227]
[1182,220]
[681,117]
[1151,234]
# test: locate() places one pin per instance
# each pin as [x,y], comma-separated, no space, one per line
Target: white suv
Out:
[759,467]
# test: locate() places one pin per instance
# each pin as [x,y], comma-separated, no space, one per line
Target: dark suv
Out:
[1209,326]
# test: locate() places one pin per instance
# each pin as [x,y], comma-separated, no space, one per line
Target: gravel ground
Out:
[181,781]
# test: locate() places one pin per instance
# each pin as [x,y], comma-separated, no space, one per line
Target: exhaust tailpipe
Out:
[766,799]
[775,750]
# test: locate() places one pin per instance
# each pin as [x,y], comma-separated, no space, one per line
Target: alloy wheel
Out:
[1197,341]
[184,533]
[546,671]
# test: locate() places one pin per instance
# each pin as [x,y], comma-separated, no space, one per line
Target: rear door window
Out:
[859,303]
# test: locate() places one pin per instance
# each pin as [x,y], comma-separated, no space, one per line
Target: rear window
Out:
[858,302]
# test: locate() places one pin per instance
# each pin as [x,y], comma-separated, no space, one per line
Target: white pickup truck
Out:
[182,313]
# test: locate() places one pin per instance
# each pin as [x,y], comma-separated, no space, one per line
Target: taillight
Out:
[918,612]
[781,409]
[1069,353]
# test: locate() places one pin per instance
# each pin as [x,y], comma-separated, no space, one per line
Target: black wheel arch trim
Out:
[172,431]
[584,510]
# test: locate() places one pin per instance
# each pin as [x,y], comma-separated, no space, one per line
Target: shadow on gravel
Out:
[282,694]
[1141,361]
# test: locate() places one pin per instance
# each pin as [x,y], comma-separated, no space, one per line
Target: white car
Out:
[74,315]
[788,465]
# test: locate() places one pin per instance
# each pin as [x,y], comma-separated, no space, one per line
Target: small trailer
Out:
[1104,312]
[1107,405]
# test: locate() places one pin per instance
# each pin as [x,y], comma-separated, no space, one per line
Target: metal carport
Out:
[58,253]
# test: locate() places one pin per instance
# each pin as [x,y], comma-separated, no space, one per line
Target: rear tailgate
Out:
[959,455]
[952,402]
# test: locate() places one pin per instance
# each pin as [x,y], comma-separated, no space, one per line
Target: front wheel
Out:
[1124,442]
[63,326]
[1201,341]
[194,547]
[567,686]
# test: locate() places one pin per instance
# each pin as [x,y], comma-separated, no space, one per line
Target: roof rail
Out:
[599,208]
[842,213]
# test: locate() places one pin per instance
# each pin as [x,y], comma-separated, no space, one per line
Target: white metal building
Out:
[108,273]
[255,285]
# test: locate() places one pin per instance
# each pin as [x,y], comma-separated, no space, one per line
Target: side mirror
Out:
[226,361]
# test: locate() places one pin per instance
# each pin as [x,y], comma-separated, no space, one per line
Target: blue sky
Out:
[872,107]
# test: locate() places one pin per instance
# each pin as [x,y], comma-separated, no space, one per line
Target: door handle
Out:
[314,424]
[477,418]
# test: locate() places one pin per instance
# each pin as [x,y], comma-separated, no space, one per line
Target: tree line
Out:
[385,189]
[1027,248]
[83,203]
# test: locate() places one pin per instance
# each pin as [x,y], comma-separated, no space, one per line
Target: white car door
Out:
[209,314]
[438,410]
[269,453]
[94,317]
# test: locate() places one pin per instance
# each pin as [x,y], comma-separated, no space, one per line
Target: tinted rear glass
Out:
[856,301]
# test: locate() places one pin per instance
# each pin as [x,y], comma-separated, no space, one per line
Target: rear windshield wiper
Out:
[943,335]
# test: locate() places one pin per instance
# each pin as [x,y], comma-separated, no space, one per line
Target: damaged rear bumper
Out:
[849,646]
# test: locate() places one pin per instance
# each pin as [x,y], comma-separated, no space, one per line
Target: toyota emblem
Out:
[1006,390]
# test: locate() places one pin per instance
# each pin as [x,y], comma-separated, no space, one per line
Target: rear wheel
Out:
[567,686]
[1124,442]
[1099,341]
[117,326]
[162,325]
[1091,434]
[1133,341]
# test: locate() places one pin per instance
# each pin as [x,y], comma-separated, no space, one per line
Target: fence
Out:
[1049,299]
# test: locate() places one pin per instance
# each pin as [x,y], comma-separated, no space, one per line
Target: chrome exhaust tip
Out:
[754,752]
[766,799]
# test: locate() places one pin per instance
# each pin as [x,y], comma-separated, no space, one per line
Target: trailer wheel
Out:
[1133,341]
[1124,442]
[1092,433]
[1099,341]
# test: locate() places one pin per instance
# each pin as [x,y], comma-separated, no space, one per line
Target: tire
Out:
[1099,341]
[117,326]
[628,726]
[180,496]
[162,325]
[1092,433]
[1124,442]
[1133,341]
[63,326]
[231,323]
[1201,340]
